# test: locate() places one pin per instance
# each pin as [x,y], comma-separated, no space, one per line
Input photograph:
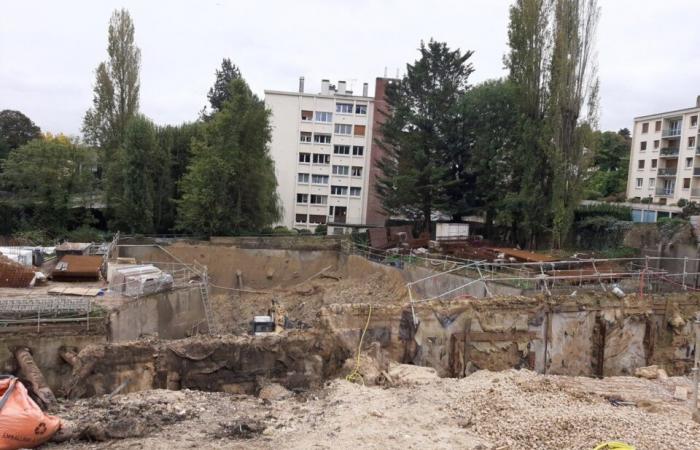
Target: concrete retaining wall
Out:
[168,315]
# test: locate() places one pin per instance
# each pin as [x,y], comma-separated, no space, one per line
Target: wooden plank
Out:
[83,292]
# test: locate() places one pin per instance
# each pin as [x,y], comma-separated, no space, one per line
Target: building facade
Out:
[665,157]
[321,145]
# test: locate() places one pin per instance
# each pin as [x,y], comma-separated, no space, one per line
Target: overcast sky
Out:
[648,52]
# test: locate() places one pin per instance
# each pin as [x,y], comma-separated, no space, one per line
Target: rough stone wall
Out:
[593,335]
[236,364]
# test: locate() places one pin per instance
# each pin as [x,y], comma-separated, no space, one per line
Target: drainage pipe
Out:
[32,372]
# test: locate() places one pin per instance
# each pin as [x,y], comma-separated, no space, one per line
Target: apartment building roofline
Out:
[307,94]
[675,111]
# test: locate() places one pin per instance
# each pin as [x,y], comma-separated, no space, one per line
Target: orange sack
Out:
[22,423]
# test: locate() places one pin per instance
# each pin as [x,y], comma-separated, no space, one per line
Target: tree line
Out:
[518,151]
[211,176]
[521,151]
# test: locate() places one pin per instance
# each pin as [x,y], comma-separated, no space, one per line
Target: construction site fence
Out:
[44,310]
[643,275]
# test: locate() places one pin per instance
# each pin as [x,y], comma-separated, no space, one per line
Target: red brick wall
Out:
[375,213]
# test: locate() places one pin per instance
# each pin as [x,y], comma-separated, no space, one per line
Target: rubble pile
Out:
[513,410]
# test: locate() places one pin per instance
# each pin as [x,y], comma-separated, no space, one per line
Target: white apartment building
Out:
[665,157]
[321,147]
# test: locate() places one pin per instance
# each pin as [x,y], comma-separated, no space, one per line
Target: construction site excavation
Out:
[322,342]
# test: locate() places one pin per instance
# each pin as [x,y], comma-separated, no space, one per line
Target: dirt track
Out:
[505,410]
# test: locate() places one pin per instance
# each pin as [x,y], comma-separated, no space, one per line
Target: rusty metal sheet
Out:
[77,267]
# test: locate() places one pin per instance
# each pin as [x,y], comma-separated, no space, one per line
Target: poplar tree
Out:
[116,92]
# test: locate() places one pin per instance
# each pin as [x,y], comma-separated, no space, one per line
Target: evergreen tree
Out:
[230,184]
[423,159]
[219,93]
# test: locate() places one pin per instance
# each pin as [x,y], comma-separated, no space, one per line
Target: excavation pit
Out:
[330,300]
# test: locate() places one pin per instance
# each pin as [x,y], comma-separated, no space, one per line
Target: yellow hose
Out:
[355,374]
[614,445]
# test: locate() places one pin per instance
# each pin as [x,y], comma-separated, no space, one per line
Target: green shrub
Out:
[681,203]
[282,230]
[85,234]
[669,226]
[647,200]
[618,212]
[321,230]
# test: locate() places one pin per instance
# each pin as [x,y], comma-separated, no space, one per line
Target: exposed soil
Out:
[487,410]
[302,302]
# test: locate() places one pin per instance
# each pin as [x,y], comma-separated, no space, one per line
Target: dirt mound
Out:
[303,301]
[517,410]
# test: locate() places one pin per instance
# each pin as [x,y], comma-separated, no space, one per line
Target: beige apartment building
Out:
[665,157]
[321,144]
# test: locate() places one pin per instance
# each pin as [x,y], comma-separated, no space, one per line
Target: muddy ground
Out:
[487,410]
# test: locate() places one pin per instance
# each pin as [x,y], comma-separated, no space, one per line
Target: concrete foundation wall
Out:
[168,315]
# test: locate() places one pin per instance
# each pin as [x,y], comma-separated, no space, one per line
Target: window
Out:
[322,138]
[645,127]
[323,116]
[303,178]
[691,142]
[355,191]
[360,130]
[339,190]
[688,163]
[643,145]
[305,158]
[651,183]
[653,164]
[342,128]
[640,164]
[300,218]
[307,115]
[319,199]
[302,198]
[341,170]
[686,183]
[319,179]
[343,108]
[341,149]
[657,126]
[656,144]
[693,121]
[356,171]
[358,150]
[321,158]
[360,109]
[640,182]
[315,218]
[305,136]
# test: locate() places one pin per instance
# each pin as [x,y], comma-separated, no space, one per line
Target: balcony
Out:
[664,192]
[667,171]
[671,132]
[669,152]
